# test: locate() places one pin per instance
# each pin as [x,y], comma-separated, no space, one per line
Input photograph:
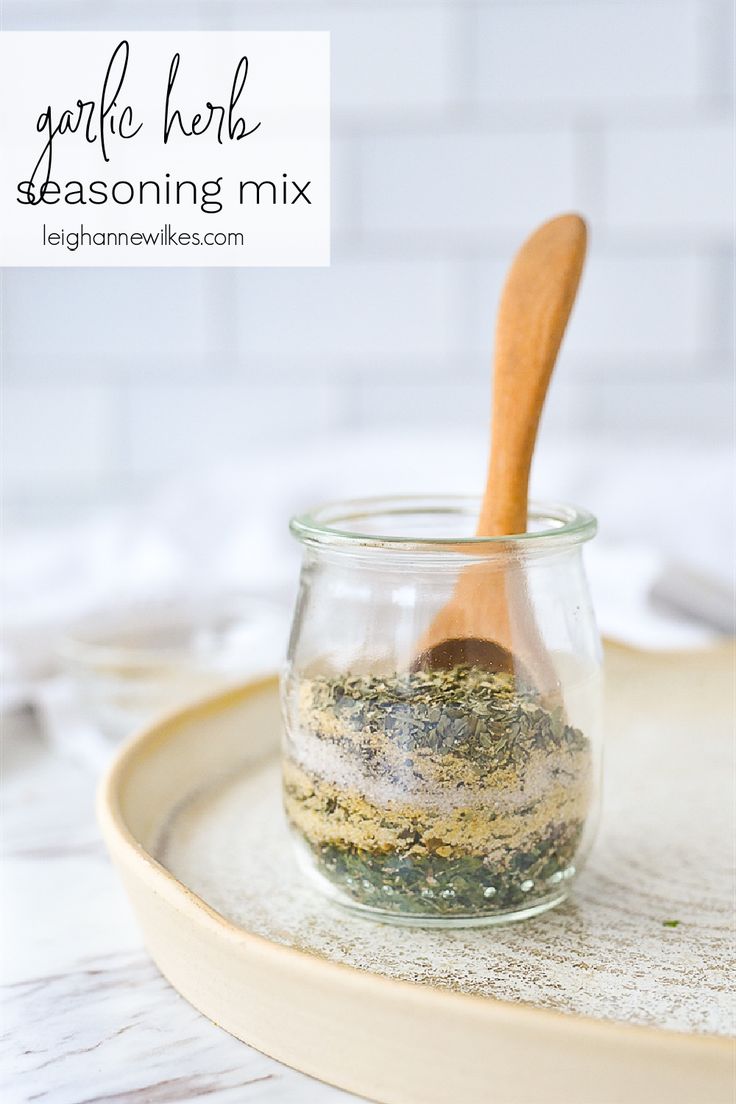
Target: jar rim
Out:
[562,524]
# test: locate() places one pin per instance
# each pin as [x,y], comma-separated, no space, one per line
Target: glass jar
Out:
[441,793]
[129,664]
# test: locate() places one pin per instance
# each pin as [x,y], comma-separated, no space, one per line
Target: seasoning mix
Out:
[435,794]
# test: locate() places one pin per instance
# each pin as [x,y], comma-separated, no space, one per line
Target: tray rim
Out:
[128,852]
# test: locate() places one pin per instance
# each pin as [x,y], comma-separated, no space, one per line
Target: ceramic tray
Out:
[604,1000]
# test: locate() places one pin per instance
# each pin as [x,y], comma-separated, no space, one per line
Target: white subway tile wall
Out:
[454,185]
[589,56]
[456,127]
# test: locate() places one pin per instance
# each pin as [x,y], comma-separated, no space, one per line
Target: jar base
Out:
[336,896]
[487,920]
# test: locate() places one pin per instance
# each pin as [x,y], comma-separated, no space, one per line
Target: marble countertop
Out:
[87,1016]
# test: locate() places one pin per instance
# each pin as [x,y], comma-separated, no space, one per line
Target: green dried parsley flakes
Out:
[439,793]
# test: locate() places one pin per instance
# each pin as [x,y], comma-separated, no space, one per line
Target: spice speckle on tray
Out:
[447,793]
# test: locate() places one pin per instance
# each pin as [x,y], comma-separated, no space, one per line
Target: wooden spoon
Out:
[488,621]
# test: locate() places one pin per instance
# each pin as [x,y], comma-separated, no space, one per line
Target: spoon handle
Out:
[535,306]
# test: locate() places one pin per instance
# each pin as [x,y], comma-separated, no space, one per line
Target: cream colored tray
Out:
[597,1002]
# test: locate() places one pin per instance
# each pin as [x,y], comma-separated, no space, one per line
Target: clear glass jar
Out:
[129,664]
[451,796]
